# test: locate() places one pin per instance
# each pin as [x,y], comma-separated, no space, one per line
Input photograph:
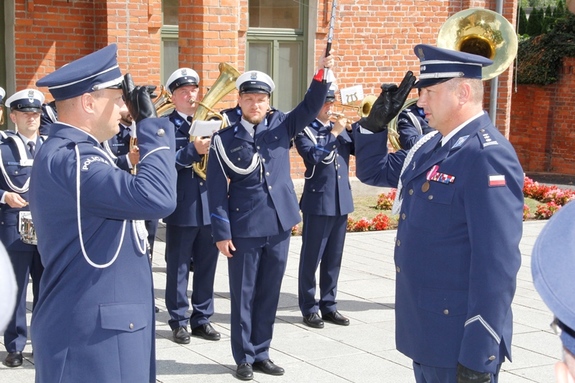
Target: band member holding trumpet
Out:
[253,208]
[455,278]
[325,147]
[188,229]
[17,156]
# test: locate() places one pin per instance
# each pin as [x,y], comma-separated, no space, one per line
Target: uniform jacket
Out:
[94,320]
[411,125]
[457,249]
[192,193]
[16,167]
[263,202]
[327,190]
[119,147]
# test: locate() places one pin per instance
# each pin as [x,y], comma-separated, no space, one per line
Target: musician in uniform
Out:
[188,228]
[125,153]
[94,320]
[455,278]
[411,126]
[17,156]
[253,208]
[325,147]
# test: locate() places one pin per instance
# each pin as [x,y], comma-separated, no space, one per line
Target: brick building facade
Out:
[374,40]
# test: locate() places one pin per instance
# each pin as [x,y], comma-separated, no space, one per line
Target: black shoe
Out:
[313,320]
[206,331]
[268,367]
[336,317]
[245,372]
[13,359]
[181,335]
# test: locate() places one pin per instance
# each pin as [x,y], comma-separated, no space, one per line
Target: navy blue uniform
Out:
[95,315]
[189,236]
[411,125]
[457,247]
[257,209]
[16,161]
[325,203]
[119,147]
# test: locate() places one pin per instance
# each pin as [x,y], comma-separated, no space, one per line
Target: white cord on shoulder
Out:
[219,148]
[86,257]
[398,199]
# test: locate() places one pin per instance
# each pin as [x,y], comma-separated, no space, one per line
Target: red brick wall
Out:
[373,40]
[542,124]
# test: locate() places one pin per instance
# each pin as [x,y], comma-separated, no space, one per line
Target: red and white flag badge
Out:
[497,180]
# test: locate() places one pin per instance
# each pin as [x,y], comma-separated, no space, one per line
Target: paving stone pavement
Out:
[362,352]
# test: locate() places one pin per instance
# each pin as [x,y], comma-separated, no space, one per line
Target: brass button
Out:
[257,147]
[267,174]
[410,192]
[430,197]
[131,326]
[161,132]
[398,243]
[446,312]
[492,357]
[397,268]
[270,187]
[201,184]
[403,216]
[237,209]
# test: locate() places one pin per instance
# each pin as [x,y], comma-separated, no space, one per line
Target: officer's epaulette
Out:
[222,130]
[485,139]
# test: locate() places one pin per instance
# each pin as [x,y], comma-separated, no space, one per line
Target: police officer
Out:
[553,266]
[456,277]
[17,156]
[253,207]
[94,320]
[188,228]
[326,201]
[124,150]
[411,126]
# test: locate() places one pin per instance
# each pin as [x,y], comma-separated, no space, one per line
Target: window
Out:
[276,46]
[169,35]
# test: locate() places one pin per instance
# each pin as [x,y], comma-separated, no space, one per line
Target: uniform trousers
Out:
[183,242]
[429,374]
[26,264]
[255,273]
[323,238]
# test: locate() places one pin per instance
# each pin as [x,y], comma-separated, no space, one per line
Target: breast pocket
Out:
[242,155]
[431,210]
[275,145]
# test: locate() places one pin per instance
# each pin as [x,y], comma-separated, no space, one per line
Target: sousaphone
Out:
[478,31]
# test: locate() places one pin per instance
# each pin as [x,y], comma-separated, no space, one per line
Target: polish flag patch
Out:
[497,180]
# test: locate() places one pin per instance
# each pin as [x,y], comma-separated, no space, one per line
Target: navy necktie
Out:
[32,146]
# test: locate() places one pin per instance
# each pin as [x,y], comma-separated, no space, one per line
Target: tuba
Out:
[163,103]
[225,83]
[478,31]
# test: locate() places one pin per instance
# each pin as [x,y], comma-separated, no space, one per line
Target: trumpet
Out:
[361,110]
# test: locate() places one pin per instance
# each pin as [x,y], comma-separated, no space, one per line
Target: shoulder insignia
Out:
[88,161]
[485,139]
